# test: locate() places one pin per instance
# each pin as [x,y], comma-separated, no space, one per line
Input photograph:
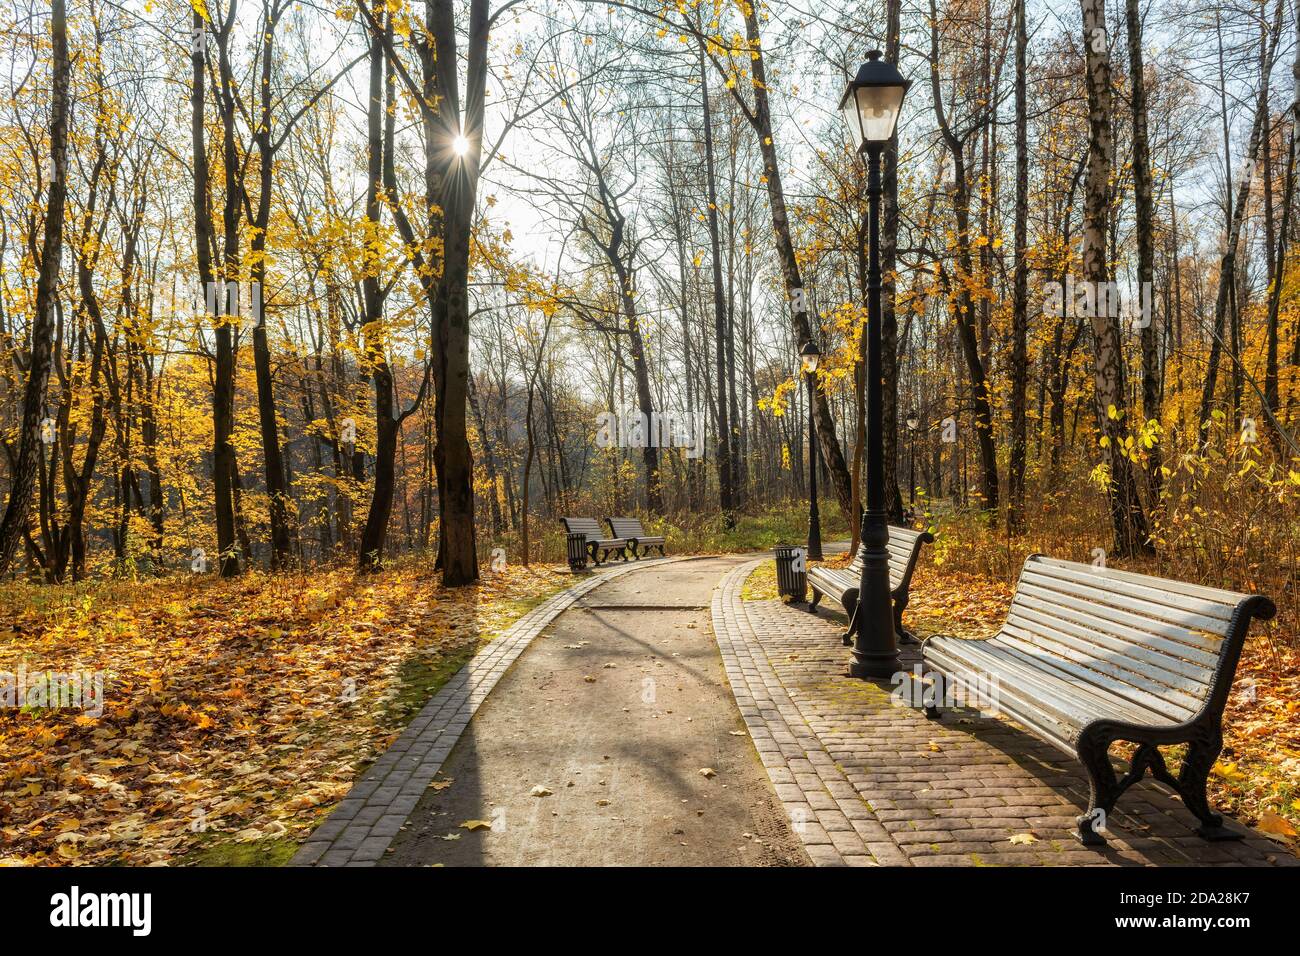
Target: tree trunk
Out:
[1235,217]
[726,479]
[14,523]
[277,489]
[1020,293]
[760,119]
[1144,203]
[889,288]
[458,552]
[1127,517]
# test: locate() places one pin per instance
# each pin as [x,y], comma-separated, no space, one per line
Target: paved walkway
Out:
[965,791]
[636,729]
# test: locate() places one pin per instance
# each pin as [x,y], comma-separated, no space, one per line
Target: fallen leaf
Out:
[473,825]
[1274,825]
[708,773]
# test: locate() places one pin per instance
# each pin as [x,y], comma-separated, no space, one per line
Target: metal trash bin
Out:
[792,572]
[577,551]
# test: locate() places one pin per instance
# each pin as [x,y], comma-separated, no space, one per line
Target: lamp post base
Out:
[868,668]
[875,644]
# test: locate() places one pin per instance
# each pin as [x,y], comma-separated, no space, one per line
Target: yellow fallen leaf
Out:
[1024,839]
[708,773]
[1274,825]
[473,825]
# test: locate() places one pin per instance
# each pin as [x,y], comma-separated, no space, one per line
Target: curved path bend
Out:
[599,730]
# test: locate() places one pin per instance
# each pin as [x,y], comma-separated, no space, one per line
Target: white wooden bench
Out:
[841,584]
[1089,656]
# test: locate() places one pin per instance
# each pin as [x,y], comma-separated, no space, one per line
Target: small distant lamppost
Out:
[913,423]
[809,356]
[871,105]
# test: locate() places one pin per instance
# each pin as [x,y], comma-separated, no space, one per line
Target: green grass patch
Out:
[220,849]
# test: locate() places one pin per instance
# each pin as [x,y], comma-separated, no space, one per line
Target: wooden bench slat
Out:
[1143,704]
[845,579]
[1168,637]
[1099,672]
[1107,580]
[587,526]
[1138,650]
[596,541]
[1020,677]
[1218,595]
[1097,595]
[631,529]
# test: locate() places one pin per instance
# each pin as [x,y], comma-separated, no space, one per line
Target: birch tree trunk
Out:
[1127,517]
[1020,292]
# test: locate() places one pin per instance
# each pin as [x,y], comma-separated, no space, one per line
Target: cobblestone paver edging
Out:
[364,823]
[826,812]
[970,790]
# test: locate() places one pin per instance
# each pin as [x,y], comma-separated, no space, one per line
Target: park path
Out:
[615,708]
[578,737]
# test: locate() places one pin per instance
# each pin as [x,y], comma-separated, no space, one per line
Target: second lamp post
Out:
[809,356]
[871,105]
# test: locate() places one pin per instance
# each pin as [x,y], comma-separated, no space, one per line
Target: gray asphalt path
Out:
[615,709]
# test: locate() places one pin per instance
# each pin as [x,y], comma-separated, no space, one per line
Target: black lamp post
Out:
[871,105]
[809,356]
[912,424]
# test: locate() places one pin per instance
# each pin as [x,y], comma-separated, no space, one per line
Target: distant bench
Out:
[630,530]
[841,584]
[598,546]
[1089,656]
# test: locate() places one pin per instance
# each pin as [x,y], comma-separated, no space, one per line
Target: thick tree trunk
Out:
[216,293]
[458,552]
[379,134]
[14,523]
